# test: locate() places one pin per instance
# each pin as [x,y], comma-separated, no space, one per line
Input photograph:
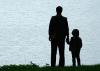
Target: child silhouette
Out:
[75,45]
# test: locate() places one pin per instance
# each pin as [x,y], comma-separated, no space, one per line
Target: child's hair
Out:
[75,32]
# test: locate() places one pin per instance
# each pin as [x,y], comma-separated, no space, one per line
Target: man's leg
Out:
[53,53]
[61,46]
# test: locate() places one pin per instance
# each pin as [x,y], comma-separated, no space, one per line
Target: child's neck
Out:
[75,36]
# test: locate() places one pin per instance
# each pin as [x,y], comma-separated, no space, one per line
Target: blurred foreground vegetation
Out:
[47,68]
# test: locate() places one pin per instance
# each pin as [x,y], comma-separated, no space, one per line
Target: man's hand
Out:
[49,38]
[69,49]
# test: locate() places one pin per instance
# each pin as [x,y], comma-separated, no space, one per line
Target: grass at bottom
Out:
[47,68]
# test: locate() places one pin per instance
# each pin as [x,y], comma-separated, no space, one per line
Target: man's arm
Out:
[67,32]
[50,32]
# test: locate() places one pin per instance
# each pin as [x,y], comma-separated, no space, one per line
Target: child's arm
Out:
[70,43]
[67,41]
[80,42]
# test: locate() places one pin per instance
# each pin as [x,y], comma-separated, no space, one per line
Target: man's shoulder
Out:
[64,17]
[80,38]
[57,17]
[54,16]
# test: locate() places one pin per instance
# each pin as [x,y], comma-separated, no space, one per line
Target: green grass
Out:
[47,68]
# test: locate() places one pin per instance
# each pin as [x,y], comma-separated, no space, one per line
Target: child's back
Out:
[75,46]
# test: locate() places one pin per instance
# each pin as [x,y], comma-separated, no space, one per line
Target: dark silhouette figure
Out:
[75,46]
[58,30]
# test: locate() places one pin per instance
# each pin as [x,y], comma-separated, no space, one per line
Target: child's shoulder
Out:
[79,38]
[76,38]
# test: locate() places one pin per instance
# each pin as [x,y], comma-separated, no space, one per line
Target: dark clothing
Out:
[76,55]
[75,47]
[58,30]
[75,44]
[59,27]
[61,45]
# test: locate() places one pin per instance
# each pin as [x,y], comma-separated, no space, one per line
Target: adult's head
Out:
[59,10]
[75,32]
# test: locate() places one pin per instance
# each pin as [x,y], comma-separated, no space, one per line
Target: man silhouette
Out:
[58,30]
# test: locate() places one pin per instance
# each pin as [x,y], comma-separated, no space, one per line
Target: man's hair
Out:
[59,9]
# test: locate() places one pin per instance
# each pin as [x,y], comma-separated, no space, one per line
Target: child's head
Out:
[75,32]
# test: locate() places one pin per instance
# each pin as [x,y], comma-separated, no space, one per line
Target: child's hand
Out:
[69,49]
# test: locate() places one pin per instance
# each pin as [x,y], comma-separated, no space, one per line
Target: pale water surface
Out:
[24,30]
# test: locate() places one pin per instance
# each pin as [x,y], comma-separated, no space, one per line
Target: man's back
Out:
[58,26]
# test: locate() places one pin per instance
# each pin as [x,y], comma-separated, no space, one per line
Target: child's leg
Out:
[78,58]
[73,59]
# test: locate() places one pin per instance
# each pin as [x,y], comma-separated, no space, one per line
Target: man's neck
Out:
[59,15]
